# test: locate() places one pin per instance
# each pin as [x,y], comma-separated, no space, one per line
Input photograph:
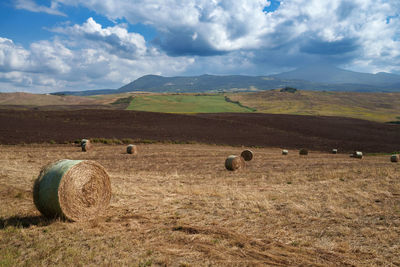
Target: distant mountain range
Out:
[309,78]
[333,75]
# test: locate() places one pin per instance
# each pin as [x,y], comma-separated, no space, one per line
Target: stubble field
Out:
[176,205]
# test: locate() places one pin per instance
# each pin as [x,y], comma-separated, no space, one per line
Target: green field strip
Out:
[185,104]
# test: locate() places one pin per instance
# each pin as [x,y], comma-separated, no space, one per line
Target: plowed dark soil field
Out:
[285,131]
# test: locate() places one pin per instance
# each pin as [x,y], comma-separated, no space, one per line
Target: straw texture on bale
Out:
[285,152]
[131,149]
[85,144]
[334,151]
[303,151]
[357,155]
[233,163]
[247,155]
[394,158]
[77,190]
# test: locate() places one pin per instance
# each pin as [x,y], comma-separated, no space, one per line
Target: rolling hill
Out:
[381,107]
[333,75]
[310,78]
[28,99]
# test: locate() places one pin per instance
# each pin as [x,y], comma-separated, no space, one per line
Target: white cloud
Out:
[117,40]
[12,56]
[222,25]
[42,57]
[338,31]
[62,64]
[30,5]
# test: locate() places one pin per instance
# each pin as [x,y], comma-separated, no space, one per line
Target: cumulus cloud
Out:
[33,7]
[219,26]
[43,56]
[12,56]
[332,28]
[343,31]
[117,40]
[89,57]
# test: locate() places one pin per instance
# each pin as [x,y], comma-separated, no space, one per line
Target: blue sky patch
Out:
[273,6]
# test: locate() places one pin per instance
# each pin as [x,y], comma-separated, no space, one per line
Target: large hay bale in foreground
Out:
[394,158]
[303,151]
[247,155]
[334,151]
[285,152]
[85,145]
[233,163]
[357,155]
[77,190]
[131,149]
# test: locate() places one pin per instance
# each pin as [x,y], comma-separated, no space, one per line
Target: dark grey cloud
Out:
[320,47]
[345,9]
[186,43]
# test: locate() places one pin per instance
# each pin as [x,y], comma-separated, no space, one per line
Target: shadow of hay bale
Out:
[24,221]
[303,151]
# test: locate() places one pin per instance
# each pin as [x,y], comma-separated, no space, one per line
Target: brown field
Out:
[250,129]
[176,205]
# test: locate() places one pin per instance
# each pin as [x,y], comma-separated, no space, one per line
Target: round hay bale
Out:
[303,151]
[357,155]
[233,163]
[77,190]
[394,158]
[285,152]
[84,141]
[131,149]
[86,145]
[334,151]
[247,155]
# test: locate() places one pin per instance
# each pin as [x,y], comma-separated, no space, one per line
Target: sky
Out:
[49,46]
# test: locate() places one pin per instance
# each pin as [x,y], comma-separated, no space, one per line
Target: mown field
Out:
[176,205]
[185,103]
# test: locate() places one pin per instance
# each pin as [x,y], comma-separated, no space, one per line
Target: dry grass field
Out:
[28,99]
[380,107]
[176,205]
